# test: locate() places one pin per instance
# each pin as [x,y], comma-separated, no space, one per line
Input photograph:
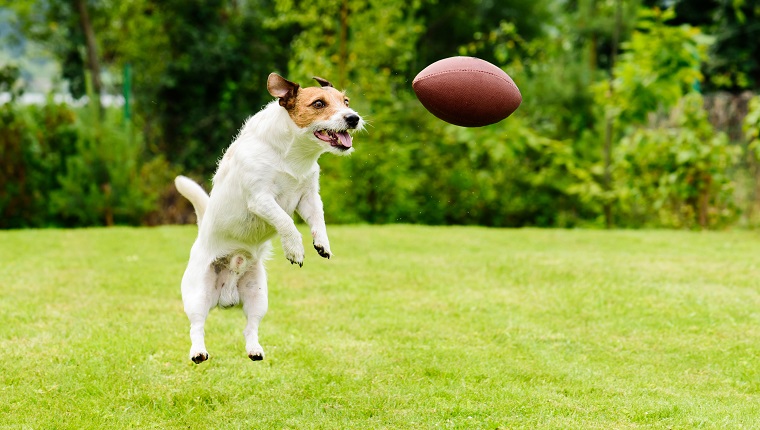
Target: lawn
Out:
[406,327]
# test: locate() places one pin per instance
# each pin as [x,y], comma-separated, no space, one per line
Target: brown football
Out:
[467,91]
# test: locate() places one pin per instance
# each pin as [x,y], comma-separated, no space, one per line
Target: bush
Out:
[105,181]
[676,174]
[34,144]
[505,175]
[65,167]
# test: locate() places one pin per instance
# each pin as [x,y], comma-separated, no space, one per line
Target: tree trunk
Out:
[343,44]
[607,179]
[609,129]
[92,51]
[703,204]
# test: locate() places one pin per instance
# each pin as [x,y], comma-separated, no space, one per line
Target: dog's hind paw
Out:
[325,253]
[199,357]
[256,353]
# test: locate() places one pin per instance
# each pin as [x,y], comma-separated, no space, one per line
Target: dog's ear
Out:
[323,82]
[283,89]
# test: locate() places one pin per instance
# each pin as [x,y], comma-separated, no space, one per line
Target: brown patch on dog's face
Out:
[322,111]
[314,104]
[307,105]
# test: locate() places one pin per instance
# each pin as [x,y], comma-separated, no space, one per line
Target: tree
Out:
[93,63]
[670,165]
[734,62]
[217,56]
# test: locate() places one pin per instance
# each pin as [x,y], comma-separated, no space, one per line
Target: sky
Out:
[38,68]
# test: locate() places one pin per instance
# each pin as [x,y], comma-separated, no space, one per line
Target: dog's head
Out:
[323,112]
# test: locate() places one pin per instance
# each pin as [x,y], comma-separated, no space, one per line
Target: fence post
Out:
[127,89]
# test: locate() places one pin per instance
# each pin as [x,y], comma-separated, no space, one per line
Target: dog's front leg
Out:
[311,210]
[265,206]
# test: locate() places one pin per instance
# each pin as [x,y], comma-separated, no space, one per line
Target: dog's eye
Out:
[319,104]
[346,102]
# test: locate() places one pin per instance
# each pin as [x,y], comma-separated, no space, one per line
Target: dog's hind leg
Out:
[198,299]
[252,288]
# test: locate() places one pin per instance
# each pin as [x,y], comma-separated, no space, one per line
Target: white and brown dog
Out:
[267,173]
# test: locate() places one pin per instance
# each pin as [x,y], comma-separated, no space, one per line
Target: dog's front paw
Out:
[323,250]
[321,244]
[295,258]
[294,251]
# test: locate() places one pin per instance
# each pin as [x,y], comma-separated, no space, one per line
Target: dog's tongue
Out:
[345,139]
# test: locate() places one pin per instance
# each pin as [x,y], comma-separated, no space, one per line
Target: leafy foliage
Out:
[751,126]
[216,66]
[659,66]
[676,174]
[34,144]
[61,166]
[733,63]
[599,128]
[105,181]
[670,172]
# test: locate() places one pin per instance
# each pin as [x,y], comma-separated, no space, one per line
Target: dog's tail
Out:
[193,192]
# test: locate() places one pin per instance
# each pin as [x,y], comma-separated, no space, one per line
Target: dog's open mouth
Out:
[338,139]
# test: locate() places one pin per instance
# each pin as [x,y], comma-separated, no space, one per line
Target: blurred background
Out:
[636,113]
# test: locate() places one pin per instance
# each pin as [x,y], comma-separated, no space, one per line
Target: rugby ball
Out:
[467,91]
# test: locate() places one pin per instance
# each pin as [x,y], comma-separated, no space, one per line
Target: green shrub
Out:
[677,173]
[104,182]
[504,175]
[751,127]
[70,167]
[34,144]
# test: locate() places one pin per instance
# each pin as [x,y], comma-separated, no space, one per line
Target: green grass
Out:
[407,327]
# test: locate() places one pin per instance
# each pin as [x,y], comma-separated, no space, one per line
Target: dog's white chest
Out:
[289,190]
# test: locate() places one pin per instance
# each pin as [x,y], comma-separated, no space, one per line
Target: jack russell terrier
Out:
[267,173]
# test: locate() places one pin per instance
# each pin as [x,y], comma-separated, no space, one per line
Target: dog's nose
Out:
[352,120]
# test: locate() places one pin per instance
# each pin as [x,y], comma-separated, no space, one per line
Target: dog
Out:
[268,172]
